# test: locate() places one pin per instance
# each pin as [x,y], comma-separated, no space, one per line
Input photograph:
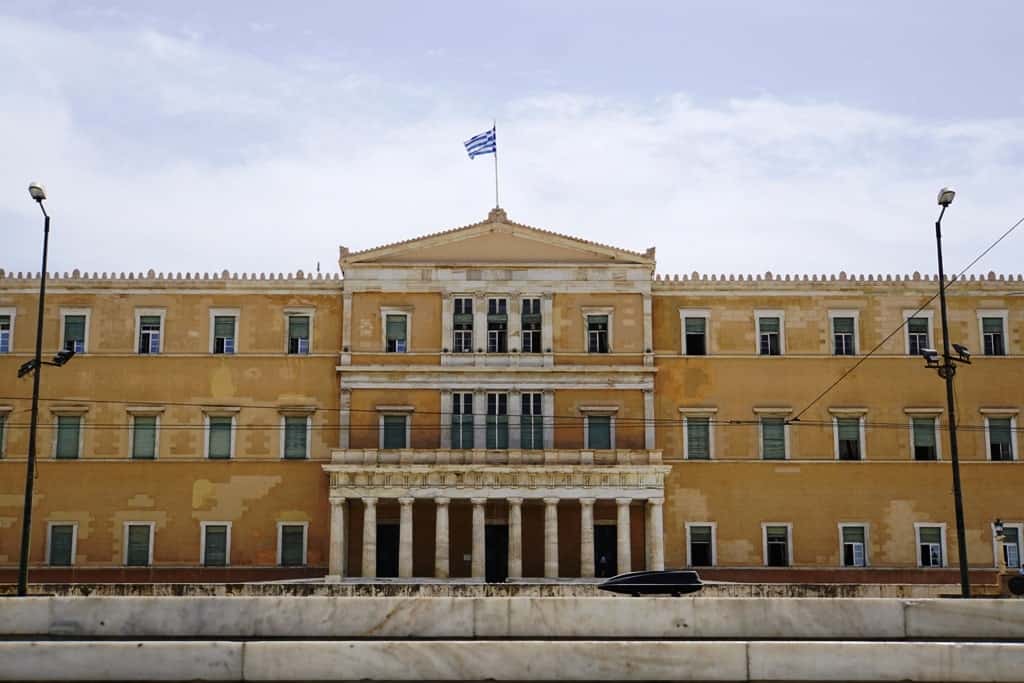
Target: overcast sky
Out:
[734,136]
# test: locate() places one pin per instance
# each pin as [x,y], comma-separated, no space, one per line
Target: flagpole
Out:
[494,127]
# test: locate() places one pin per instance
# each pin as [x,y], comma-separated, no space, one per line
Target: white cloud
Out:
[172,154]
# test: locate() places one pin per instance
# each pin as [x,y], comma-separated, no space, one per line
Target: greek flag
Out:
[485,143]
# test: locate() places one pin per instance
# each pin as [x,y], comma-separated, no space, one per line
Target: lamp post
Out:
[38,194]
[946,370]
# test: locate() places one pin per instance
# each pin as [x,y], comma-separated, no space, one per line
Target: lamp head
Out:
[37,191]
[946,196]
[63,357]
[998,524]
[962,351]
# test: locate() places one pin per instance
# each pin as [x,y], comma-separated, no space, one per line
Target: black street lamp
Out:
[35,366]
[946,370]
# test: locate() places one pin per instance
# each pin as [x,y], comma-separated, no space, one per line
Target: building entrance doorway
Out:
[605,550]
[387,550]
[496,552]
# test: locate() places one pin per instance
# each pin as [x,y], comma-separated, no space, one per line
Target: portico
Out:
[498,487]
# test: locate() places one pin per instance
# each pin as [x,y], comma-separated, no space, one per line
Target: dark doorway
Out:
[496,552]
[387,550]
[606,557]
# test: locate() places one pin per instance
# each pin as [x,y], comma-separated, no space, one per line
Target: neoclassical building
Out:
[499,402]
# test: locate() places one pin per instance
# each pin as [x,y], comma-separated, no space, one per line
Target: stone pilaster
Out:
[339,540]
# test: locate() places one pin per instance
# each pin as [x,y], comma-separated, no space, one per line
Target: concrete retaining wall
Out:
[457,618]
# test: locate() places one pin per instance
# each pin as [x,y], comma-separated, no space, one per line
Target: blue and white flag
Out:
[485,143]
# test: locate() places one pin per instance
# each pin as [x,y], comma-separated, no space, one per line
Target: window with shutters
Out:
[144,432]
[396,332]
[697,442]
[848,442]
[769,333]
[394,431]
[597,334]
[461,425]
[1011,545]
[918,337]
[224,328]
[924,433]
[700,545]
[992,336]
[216,544]
[149,324]
[60,551]
[853,539]
[219,436]
[598,432]
[291,545]
[777,549]
[695,335]
[844,335]
[462,325]
[531,427]
[69,437]
[6,330]
[74,328]
[497,325]
[773,438]
[532,325]
[931,545]
[138,542]
[298,333]
[296,437]
[999,431]
[497,421]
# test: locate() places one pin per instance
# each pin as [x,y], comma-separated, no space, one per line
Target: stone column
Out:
[441,539]
[622,535]
[405,537]
[551,538]
[369,538]
[478,566]
[587,538]
[515,538]
[655,536]
[339,543]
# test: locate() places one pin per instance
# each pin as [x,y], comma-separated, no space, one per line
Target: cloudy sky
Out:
[789,136]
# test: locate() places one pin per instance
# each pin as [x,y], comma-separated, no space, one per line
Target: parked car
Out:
[674,582]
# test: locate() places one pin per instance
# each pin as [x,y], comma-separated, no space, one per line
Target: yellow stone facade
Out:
[544,504]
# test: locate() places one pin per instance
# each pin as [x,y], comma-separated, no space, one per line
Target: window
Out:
[144,428]
[6,330]
[531,325]
[497,326]
[394,431]
[844,334]
[700,548]
[697,443]
[531,430]
[917,335]
[497,421]
[462,324]
[773,438]
[1011,549]
[396,332]
[931,545]
[60,548]
[598,432]
[462,420]
[219,436]
[993,332]
[75,328]
[848,442]
[138,544]
[291,545]
[298,334]
[150,338]
[924,435]
[296,437]
[597,334]
[224,334]
[777,550]
[216,548]
[853,538]
[769,334]
[695,332]
[1000,438]
[69,436]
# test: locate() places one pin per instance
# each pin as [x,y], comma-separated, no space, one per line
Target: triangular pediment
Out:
[496,241]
